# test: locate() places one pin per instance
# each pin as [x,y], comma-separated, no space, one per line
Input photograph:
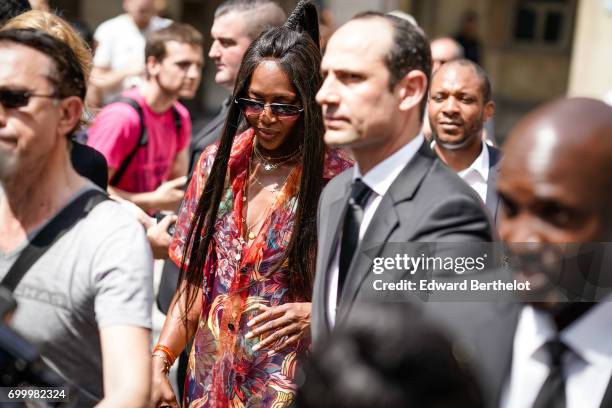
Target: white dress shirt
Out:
[586,368]
[477,175]
[379,179]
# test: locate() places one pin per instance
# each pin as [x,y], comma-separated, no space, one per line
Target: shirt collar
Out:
[480,165]
[588,337]
[381,176]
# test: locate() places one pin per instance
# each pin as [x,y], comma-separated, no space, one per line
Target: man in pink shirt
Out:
[150,171]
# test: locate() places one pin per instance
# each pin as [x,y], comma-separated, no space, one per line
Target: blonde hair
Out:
[56,27]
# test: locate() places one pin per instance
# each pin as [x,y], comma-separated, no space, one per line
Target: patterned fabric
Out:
[224,371]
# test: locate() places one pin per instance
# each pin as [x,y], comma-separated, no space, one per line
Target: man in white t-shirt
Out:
[119,59]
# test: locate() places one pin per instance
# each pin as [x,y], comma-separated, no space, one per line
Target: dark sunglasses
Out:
[251,107]
[11,98]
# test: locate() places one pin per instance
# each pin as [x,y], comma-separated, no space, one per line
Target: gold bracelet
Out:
[166,362]
[169,354]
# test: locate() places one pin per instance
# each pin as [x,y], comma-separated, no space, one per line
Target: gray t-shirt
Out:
[99,274]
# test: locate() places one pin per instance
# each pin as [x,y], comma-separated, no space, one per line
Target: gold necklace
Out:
[268,165]
[250,233]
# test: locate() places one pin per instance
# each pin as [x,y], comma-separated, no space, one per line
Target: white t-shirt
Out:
[121,44]
[98,274]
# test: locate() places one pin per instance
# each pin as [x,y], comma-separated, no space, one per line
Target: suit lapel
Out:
[384,222]
[492,199]
[606,402]
[329,239]
[494,344]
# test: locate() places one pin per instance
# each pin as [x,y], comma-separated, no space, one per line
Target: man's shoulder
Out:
[182,111]
[112,26]
[339,182]
[495,156]
[442,181]
[158,23]
[114,117]
[109,218]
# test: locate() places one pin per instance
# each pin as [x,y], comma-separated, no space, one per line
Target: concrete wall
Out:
[590,73]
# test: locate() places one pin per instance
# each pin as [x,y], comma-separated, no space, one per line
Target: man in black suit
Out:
[551,348]
[376,73]
[459,105]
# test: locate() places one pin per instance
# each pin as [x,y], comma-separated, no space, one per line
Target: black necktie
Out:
[552,393]
[360,193]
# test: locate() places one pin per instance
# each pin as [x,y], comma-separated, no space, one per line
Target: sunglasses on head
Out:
[13,98]
[251,107]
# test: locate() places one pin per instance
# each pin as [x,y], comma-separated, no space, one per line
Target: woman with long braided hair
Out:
[246,233]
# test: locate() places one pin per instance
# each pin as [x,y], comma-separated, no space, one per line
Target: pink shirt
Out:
[116,130]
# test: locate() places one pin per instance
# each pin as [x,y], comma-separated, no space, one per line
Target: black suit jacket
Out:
[492,200]
[427,203]
[208,135]
[485,333]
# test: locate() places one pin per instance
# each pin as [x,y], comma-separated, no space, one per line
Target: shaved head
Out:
[555,184]
[575,134]
[557,167]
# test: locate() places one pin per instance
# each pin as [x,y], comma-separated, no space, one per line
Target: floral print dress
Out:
[223,369]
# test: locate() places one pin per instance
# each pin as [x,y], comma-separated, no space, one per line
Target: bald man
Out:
[443,50]
[555,184]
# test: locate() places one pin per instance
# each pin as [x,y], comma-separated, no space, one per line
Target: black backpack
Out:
[143,139]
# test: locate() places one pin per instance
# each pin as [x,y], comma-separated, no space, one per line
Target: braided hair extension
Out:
[305,18]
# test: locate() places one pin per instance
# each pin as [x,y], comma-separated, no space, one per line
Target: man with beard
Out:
[459,105]
[555,184]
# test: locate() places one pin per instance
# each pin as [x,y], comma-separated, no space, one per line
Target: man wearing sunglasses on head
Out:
[78,264]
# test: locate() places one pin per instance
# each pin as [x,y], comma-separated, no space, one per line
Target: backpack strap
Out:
[50,233]
[142,140]
[178,123]
[144,137]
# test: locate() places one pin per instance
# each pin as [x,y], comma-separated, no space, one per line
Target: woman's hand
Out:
[162,394]
[290,321]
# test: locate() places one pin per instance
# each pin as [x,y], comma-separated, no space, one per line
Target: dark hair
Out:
[12,8]
[261,14]
[409,50]
[485,83]
[68,78]
[295,48]
[387,356]
[179,32]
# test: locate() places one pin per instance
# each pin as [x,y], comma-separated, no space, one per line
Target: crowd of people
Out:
[326,155]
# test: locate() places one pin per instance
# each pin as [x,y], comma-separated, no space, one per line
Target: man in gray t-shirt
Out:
[86,281]
[86,302]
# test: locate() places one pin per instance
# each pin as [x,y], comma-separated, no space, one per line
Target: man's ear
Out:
[153,67]
[412,88]
[71,109]
[489,110]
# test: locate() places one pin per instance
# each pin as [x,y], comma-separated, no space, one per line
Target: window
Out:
[543,23]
